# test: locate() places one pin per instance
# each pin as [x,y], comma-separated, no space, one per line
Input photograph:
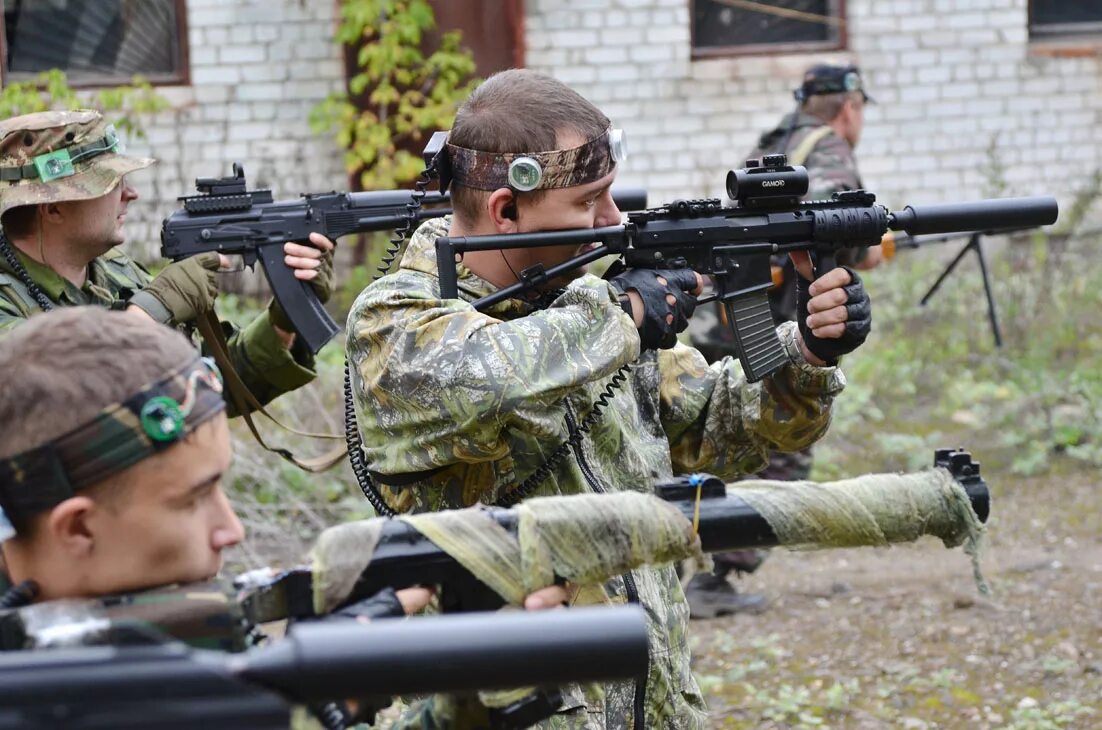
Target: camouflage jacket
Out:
[832,168]
[485,398]
[266,366]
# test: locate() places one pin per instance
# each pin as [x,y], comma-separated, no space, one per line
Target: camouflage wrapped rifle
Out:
[172,685]
[709,516]
[228,218]
[733,244]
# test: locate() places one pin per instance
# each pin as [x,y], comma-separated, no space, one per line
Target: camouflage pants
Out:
[785,467]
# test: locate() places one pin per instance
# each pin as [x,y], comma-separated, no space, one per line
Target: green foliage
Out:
[408,92]
[931,376]
[1031,715]
[123,105]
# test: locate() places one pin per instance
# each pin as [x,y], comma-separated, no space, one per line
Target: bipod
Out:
[975,244]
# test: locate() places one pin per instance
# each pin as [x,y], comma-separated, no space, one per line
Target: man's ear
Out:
[50,213]
[502,208]
[69,526]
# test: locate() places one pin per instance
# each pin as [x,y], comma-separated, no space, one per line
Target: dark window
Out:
[730,27]
[1056,18]
[96,41]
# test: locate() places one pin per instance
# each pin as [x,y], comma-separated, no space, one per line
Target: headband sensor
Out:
[529,171]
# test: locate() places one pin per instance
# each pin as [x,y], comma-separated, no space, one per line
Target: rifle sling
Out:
[246,402]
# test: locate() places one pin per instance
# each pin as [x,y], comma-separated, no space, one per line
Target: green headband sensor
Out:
[50,166]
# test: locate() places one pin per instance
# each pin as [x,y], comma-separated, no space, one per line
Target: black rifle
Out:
[404,557]
[228,218]
[733,244]
[174,686]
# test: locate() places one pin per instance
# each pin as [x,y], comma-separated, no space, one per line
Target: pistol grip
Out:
[311,322]
[759,349]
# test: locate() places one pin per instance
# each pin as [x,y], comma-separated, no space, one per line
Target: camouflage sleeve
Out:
[440,380]
[10,316]
[833,169]
[718,422]
[267,367]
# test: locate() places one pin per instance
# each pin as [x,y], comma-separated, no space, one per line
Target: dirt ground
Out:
[900,637]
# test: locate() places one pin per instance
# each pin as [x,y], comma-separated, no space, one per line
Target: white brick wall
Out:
[950,75]
[257,68]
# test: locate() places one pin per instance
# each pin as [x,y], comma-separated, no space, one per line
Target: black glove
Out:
[656,333]
[384,604]
[858,320]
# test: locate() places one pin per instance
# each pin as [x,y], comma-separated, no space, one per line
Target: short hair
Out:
[20,222]
[828,106]
[65,366]
[518,111]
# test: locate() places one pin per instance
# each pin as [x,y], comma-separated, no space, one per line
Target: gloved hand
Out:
[854,313]
[308,261]
[667,302]
[384,604]
[182,291]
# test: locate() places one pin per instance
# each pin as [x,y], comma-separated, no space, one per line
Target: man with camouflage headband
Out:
[111,490]
[63,203]
[821,135]
[459,406]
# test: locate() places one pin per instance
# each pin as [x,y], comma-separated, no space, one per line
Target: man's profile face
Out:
[582,206]
[171,520]
[855,120]
[96,224]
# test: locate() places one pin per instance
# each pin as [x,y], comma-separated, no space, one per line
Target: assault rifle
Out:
[403,557]
[733,244]
[174,686]
[228,218]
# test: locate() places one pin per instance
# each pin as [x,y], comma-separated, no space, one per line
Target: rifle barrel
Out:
[174,686]
[975,216]
[453,653]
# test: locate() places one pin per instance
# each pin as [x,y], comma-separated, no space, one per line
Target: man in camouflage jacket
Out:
[458,406]
[63,225]
[820,135]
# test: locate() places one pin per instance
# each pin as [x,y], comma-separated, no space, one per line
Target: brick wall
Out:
[257,68]
[953,78]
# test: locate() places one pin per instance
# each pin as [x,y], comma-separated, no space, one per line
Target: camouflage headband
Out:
[118,437]
[525,171]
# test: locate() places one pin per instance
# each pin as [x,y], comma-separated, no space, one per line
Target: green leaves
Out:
[398,93]
[122,105]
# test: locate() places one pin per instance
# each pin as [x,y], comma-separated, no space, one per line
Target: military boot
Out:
[710,595]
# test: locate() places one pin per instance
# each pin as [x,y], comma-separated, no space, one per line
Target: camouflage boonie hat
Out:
[55,156]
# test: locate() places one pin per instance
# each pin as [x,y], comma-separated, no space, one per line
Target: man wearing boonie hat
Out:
[63,203]
[821,135]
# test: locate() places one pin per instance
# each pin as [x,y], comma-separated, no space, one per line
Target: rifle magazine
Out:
[759,349]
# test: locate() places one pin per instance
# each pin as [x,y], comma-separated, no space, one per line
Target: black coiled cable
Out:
[331,715]
[19,595]
[536,478]
[351,428]
[40,297]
